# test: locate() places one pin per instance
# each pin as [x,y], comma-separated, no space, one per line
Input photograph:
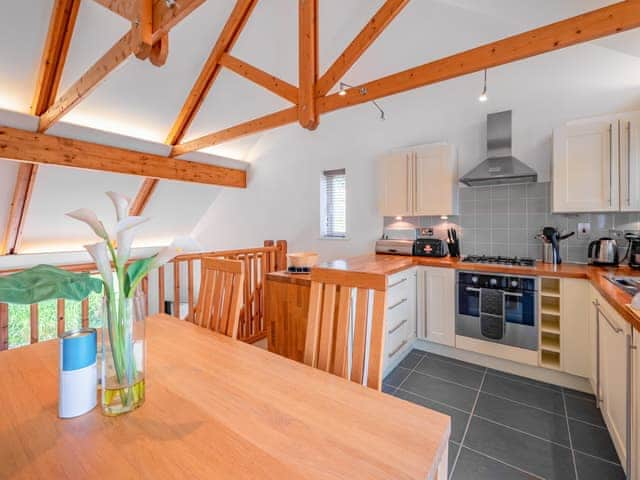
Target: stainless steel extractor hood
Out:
[500,167]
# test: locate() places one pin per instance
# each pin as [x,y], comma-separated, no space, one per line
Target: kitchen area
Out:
[508,300]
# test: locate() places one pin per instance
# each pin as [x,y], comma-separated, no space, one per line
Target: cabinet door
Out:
[585,167]
[439,298]
[613,376]
[575,350]
[629,128]
[436,180]
[396,187]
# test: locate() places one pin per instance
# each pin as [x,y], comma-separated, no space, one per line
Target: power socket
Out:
[616,234]
[584,231]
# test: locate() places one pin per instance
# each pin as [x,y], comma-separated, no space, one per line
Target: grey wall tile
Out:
[536,205]
[517,235]
[499,220]
[467,195]
[468,221]
[483,194]
[500,191]
[500,205]
[467,208]
[500,235]
[483,235]
[518,220]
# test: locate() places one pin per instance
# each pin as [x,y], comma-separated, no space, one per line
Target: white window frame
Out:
[326,232]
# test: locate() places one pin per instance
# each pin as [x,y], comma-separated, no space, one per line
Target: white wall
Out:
[282,200]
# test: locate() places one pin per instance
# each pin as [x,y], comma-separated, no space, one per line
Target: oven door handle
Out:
[512,294]
[472,289]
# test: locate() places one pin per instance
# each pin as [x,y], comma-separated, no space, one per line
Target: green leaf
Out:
[45,282]
[136,272]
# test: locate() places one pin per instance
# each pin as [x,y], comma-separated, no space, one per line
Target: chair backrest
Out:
[220,297]
[338,305]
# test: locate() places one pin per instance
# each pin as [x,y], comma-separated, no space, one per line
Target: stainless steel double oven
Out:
[498,308]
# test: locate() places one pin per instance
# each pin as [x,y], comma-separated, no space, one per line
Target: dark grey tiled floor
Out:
[508,427]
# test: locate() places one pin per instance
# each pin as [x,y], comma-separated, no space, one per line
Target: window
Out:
[333,189]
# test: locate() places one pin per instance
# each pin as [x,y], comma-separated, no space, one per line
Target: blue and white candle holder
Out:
[78,372]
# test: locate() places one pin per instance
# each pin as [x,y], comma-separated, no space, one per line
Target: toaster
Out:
[430,247]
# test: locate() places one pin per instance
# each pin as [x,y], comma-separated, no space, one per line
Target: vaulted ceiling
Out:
[142,101]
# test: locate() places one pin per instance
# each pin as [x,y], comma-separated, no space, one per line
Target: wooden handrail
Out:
[257,262]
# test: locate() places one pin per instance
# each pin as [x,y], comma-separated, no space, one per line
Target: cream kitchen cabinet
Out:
[615,379]
[421,180]
[436,305]
[596,164]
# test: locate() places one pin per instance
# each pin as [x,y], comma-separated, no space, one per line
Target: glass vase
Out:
[123,353]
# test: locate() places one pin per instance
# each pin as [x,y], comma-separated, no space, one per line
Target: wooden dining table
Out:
[215,408]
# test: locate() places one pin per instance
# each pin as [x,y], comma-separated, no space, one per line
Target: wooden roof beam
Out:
[582,28]
[230,33]
[307,63]
[265,80]
[39,148]
[359,45]
[267,122]
[143,196]
[18,209]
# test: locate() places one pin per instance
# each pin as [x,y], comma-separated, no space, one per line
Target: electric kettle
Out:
[603,252]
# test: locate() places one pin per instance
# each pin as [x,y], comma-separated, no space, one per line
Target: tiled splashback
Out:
[503,220]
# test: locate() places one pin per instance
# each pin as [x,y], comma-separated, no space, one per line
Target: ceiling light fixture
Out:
[483,96]
[363,91]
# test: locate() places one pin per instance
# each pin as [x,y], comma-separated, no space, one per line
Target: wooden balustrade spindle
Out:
[190,289]
[161,289]
[145,292]
[60,312]
[34,322]
[85,313]
[4,326]
[176,289]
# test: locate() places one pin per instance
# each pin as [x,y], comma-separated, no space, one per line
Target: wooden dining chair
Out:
[334,317]
[220,297]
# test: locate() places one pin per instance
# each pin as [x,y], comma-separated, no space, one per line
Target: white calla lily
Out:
[129,222]
[121,204]
[90,218]
[179,246]
[100,255]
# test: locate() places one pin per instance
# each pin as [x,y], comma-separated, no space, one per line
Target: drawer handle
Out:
[397,304]
[398,282]
[398,348]
[394,329]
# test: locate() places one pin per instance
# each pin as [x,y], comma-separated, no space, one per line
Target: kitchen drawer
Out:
[397,338]
[396,313]
[399,288]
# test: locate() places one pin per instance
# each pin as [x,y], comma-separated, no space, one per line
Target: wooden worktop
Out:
[216,408]
[390,264]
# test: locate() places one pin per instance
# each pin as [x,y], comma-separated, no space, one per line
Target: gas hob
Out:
[509,261]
